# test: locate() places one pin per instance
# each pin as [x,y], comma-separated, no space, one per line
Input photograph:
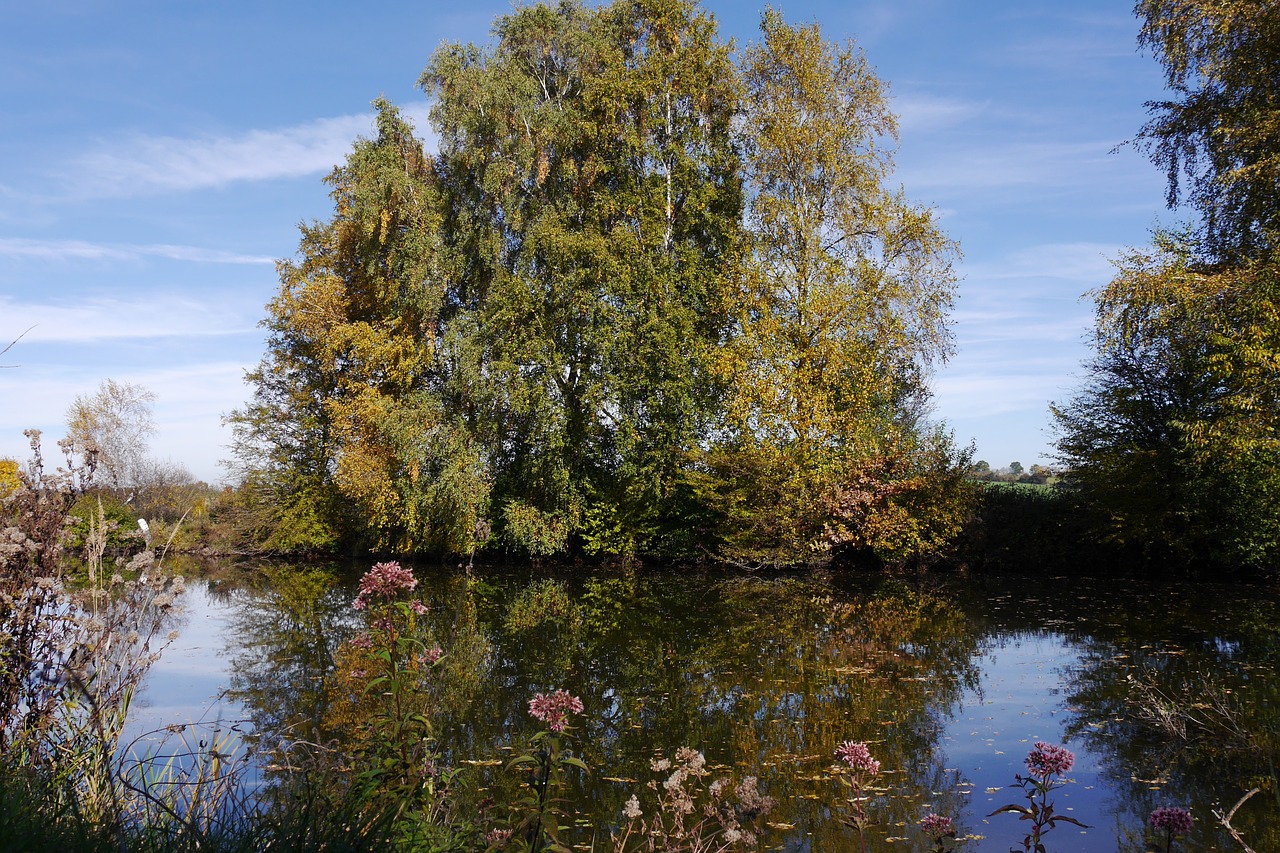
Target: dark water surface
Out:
[1168,694]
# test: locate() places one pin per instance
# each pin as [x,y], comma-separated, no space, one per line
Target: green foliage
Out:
[571,327]
[99,508]
[1221,127]
[588,168]
[541,602]
[839,309]
[1171,443]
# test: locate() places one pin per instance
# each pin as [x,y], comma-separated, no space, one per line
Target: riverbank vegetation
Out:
[649,298]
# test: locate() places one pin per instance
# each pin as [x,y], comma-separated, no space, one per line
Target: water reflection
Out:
[950,683]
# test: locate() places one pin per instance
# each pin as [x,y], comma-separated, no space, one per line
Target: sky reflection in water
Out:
[771,686]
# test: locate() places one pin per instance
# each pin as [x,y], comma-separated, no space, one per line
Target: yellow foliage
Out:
[10,478]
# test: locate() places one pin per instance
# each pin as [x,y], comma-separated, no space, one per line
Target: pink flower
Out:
[362,641]
[497,837]
[1173,820]
[937,826]
[857,756]
[430,656]
[418,607]
[384,581]
[554,709]
[1047,760]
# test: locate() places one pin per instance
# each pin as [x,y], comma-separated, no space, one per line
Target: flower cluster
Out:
[1173,820]
[384,581]
[554,709]
[631,811]
[1047,760]
[857,756]
[937,826]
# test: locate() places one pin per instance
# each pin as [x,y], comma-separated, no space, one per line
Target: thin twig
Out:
[14,341]
[1225,820]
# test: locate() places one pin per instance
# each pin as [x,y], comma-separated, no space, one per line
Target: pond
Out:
[1167,694]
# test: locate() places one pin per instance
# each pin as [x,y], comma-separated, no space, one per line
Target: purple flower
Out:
[1047,760]
[430,656]
[1173,820]
[937,826]
[554,709]
[384,581]
[857,756]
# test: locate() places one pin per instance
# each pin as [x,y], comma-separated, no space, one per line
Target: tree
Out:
[348,428]
[592,208]
[564,325]
[1221,128]
[1171,442]
[116,423]
[840,309]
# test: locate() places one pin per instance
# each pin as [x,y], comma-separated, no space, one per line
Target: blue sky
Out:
[157,157]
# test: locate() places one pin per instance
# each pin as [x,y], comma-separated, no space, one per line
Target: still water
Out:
[1168,695]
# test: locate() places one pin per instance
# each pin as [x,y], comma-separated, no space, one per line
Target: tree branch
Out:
[11,344]
[1225,820]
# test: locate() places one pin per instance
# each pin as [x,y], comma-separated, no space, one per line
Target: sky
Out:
[156,159]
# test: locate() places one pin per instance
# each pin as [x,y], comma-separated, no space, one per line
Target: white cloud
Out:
[919,112]
[1087,263]
[139,317]
[1039,164]
[19,248]
[145,164]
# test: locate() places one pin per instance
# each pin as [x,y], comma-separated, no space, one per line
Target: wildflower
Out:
[1173,820]
[660,765]
[732,836]
[751,802]
[418,607]
[430,656]
[363,640]
[692,759]
[631,810]
[384,581]
[1047,760]
[497,837]
[554,709]
[937,826]
[857,756]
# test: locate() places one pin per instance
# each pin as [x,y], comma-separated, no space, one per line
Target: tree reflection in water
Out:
[767,677]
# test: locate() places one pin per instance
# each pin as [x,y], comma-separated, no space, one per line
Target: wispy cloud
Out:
[1084,262]
[18,248]
[142,316]
[148,164]
[1028,164]
[918,112]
